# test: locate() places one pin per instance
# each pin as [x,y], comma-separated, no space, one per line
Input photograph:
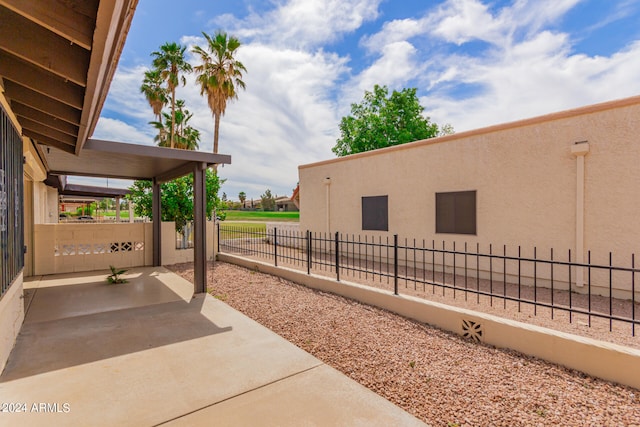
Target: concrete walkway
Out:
[147,353]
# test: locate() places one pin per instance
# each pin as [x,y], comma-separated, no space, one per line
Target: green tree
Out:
[219,75]
[382,121]
[170,62]
[268,202]
[176,198]
[242,196]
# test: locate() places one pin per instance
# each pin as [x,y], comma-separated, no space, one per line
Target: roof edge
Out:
[579,111]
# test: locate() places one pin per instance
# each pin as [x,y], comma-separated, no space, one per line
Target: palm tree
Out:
[219,75]
[242,196]
[154,92]
[162,138]
[182,116]
[185,137]
[170,62]
[189,138]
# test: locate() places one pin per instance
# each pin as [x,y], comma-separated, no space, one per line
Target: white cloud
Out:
[124,94]
[396,65]
[395,31]
[119,131]
[303,24]
[458,21]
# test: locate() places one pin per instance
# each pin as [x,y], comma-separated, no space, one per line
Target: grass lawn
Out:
[123,213]
[243,229]
[261,216]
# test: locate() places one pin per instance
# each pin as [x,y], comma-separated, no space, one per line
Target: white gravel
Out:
[437,376]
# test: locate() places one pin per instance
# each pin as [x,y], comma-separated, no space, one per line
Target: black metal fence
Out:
[555,282]
[11,203]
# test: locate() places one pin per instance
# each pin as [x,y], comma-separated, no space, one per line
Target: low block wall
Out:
[172,255]
[610,362]
[66,248]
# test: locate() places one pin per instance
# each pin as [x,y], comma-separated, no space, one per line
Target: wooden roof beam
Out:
[43,48]
[22,95]
[41,81]
[72,19]
[43,139]
[36,116]
[41,129]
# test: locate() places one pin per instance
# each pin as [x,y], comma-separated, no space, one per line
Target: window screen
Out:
[456,212]
[375,213]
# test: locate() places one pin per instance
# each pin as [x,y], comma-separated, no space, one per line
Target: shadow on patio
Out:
[147,352]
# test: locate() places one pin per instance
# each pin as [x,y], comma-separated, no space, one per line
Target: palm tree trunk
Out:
[216,133]
[173,113]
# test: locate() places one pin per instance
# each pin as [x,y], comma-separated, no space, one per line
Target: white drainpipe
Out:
[327,183]
[580,150]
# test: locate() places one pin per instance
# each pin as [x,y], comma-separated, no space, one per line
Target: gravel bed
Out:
[579,324]
[437,376]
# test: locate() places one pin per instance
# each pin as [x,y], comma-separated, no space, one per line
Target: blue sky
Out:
[475,63]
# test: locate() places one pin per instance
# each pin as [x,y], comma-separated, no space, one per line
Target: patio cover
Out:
[110,159]
[82,192]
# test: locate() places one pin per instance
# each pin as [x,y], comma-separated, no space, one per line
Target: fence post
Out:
[337,257]
[395,264]
[308,252]
[218,230]
[275,246]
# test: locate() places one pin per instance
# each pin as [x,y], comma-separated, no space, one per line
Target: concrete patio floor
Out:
[148,353]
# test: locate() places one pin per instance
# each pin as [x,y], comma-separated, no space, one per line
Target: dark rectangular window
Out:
[456,212]
[11,200]
[375,213]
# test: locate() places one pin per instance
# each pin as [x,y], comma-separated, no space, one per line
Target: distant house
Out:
[285,204]
[251,204]
[295,197]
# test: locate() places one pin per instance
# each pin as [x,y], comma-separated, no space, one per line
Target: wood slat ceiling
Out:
[57,58]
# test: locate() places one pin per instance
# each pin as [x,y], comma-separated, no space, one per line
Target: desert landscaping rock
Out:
[439,377]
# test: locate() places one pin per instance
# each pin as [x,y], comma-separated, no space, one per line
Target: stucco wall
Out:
[11,318]
[525,177]
[171,255]
[45,204]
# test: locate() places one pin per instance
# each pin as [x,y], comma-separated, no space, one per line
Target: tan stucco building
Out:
[568,181]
